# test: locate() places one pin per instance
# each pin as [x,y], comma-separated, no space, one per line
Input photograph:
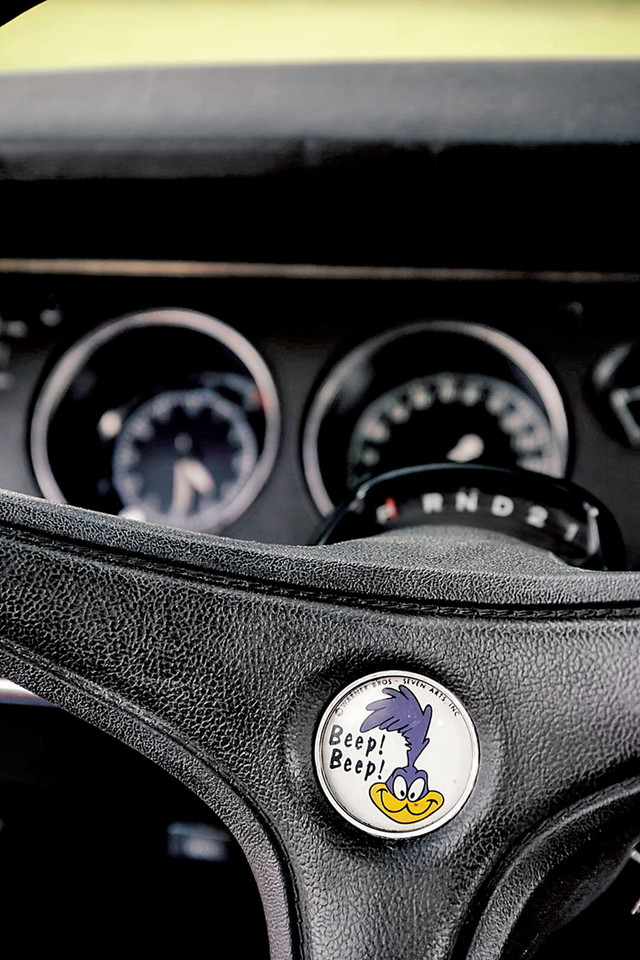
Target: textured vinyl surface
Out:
[216,658]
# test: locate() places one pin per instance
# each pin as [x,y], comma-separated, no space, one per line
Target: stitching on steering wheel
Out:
[277,589]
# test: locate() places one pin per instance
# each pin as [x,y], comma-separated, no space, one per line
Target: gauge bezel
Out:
[69,365]
[510,349]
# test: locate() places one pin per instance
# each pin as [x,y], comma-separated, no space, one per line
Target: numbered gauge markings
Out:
[454,418]
[437,392]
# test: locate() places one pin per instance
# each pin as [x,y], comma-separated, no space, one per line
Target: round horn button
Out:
[396,754]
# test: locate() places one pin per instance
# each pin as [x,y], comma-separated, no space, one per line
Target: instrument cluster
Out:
[264,419]
[172,416]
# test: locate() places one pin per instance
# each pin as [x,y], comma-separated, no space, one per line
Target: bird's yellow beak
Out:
[405,811]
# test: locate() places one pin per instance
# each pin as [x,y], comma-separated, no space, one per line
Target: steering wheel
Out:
[217,658]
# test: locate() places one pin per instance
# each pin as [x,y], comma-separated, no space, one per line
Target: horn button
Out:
[397,754]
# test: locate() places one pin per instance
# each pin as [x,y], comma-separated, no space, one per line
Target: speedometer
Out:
[451,418]
[435,392]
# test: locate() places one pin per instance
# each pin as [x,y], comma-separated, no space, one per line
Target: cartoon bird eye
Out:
[416,789]
[400,788]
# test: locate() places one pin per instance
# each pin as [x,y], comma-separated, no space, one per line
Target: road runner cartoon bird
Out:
[405,797]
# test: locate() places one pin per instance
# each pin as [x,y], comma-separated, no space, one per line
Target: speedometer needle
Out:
[190,476]
[468,448]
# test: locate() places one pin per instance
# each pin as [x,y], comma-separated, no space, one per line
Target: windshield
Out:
[64,34]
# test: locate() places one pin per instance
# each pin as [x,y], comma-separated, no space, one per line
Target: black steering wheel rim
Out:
[216,659]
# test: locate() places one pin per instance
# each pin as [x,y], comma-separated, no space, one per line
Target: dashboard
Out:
[251,404]
[228,315]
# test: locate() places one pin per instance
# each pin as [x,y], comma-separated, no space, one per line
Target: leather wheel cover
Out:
[216,659]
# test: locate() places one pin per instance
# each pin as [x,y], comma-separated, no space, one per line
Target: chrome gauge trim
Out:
[71,362]
[516,352]
[10,692]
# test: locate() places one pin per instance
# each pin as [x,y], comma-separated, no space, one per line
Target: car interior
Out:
[257,323]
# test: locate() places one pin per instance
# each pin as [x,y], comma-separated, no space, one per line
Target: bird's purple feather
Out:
[401,711]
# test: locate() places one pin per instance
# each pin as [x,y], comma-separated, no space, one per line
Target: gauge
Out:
[450,418]
[616,392]
[167,415]
[439,392]
[182,457]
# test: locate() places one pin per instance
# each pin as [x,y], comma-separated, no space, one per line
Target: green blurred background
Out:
[80,33]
